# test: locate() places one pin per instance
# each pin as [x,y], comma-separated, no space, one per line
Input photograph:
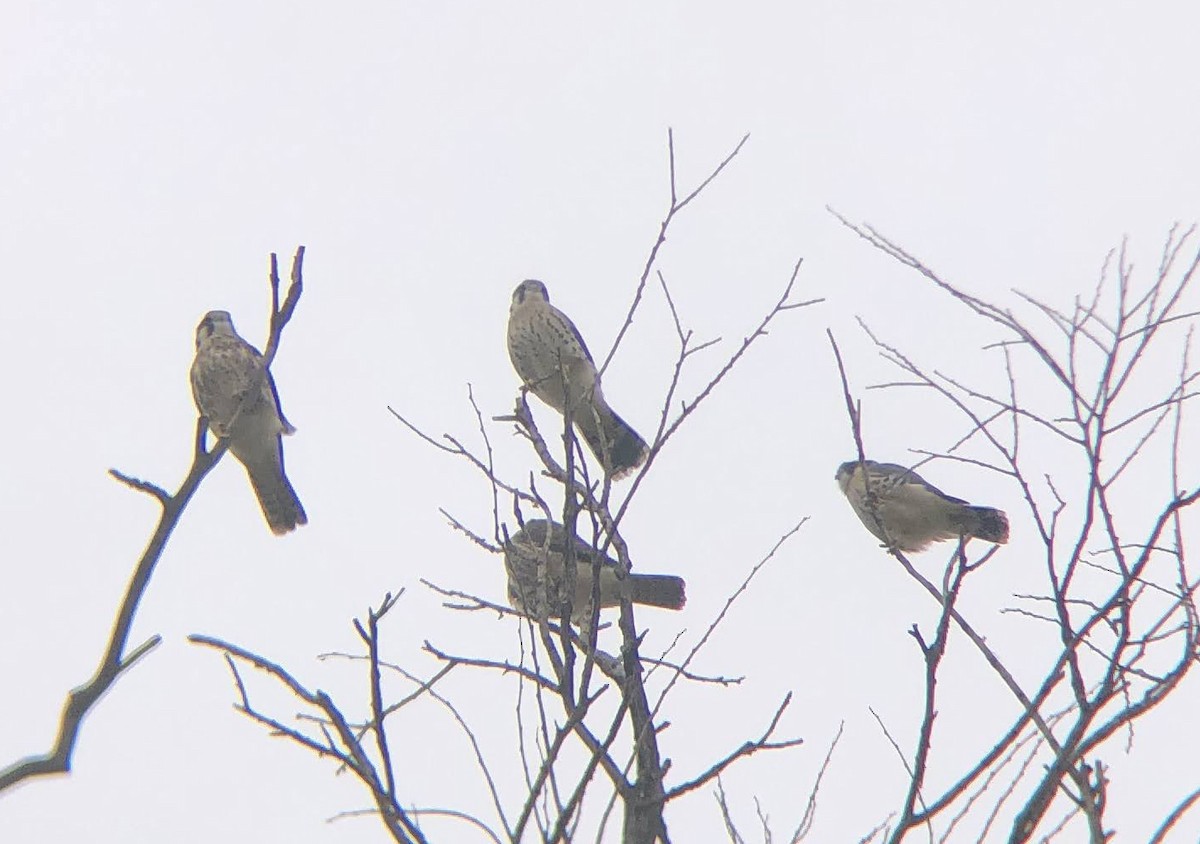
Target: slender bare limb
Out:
[115,660]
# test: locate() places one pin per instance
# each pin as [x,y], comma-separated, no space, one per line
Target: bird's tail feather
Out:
[993,525]
[280,504]
[626,449]
[657,590]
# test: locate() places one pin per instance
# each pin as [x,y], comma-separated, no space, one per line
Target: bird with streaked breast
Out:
[554,363]
[535,560]
[914,513]
[223,372]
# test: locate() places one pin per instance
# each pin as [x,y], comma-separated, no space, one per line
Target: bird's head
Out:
[534,533]
[214,322]
[845,473]
[530,289]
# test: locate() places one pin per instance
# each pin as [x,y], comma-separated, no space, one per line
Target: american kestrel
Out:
[545,346]
[225,367]
[914,512]
[535,568]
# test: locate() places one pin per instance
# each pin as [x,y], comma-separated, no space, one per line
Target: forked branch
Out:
[116,659]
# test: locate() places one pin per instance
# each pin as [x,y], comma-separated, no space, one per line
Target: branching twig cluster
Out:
[336,737]
[1123,614]
[558,669]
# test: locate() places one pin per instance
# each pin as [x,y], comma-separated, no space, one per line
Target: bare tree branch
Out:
[115,660]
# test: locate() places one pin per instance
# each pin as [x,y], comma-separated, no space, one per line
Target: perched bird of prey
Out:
[535,563]
[914,512]
[225,369]
[552,360]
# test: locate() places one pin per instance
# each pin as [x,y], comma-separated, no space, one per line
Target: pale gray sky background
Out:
[430,156]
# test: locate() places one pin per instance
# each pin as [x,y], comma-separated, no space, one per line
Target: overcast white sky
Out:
[430,156]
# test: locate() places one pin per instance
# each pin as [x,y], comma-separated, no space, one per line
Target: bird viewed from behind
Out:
[225,370]
[914,513]
[554,363]
[535,559]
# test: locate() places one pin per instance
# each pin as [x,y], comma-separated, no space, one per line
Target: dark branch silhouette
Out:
[117,657]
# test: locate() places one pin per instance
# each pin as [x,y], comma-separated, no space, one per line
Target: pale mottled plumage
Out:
[914,512]
[535,565]
[545,346]
[226,367]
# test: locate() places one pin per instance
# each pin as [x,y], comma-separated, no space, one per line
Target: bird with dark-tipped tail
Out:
[535,558]
[913,512]
[240,403]
[554,363]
